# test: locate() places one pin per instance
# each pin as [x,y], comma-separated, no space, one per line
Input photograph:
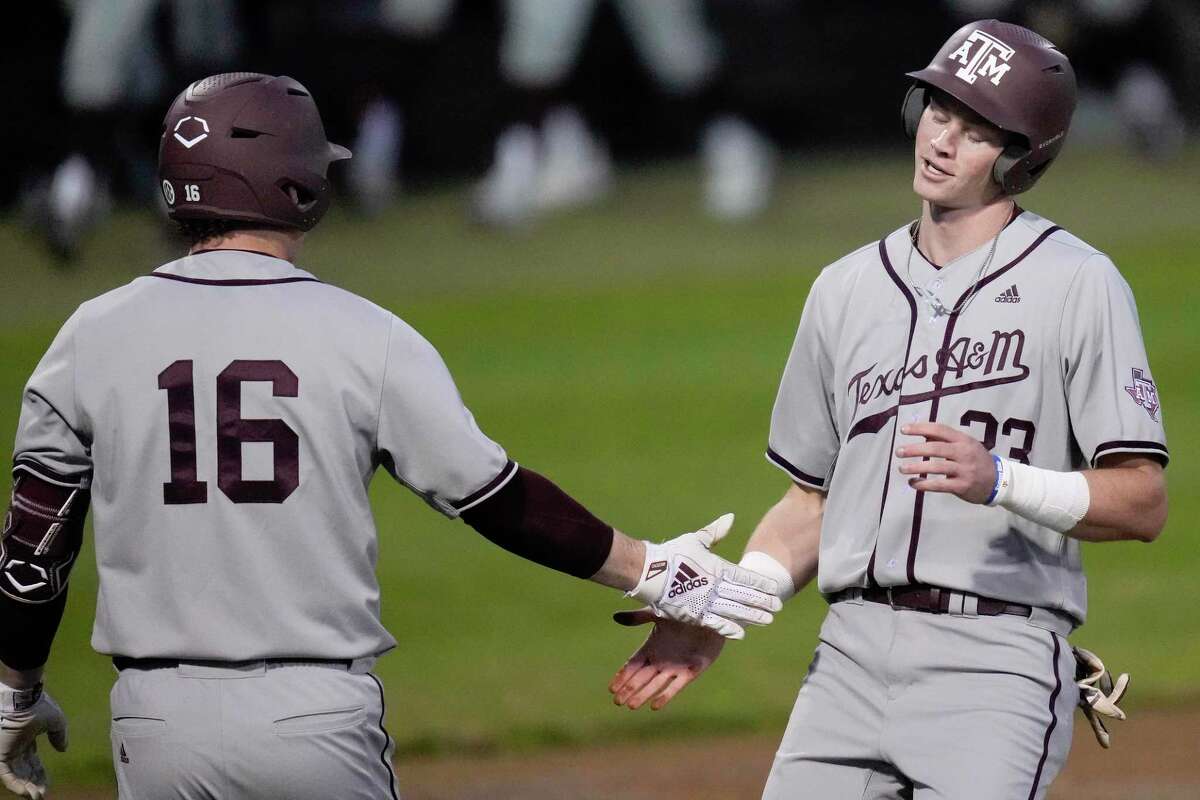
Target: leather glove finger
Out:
[1098,728]
[714,531]
[739,612]
[1107,704]
[725,627]
[749,596]
[734,574]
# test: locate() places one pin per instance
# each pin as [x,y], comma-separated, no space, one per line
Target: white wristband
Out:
[763,564]
[1058,500]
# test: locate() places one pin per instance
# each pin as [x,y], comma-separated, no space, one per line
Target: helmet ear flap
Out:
[912,108]
[1009,169]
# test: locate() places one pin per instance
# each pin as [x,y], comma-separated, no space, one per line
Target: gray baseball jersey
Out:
[229,411]
[1041,359]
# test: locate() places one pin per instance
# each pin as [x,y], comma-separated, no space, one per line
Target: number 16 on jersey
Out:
[232,430]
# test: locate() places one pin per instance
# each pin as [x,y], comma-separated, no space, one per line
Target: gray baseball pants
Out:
[907,704]
[250,731]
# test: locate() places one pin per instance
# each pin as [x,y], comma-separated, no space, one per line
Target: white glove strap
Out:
[16,700]
[763,564]
[1057,500]
[654,574]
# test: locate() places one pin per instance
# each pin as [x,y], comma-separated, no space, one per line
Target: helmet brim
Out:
[993,112]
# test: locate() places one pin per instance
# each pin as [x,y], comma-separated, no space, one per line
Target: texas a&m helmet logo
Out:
[1144,393]
[982,54]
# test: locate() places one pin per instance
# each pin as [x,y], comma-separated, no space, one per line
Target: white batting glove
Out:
[1098,692]
[25,714]
[682,580]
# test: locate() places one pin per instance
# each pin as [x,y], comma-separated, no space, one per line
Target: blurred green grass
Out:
[632,353]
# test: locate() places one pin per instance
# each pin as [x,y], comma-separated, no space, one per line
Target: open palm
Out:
[672,656]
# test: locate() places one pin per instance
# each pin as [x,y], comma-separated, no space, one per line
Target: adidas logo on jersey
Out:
[1009,295]
[685,580]
[124,757]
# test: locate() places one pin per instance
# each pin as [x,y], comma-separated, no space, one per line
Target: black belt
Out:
[125,662]
[932,599]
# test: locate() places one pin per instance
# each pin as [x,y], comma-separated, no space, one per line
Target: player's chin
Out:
[947,196]
[938,193]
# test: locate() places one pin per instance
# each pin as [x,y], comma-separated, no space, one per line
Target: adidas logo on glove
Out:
[685,580]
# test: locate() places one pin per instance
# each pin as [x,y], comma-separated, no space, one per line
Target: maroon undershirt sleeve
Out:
[534,519]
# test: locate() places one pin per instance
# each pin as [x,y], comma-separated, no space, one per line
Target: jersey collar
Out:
[243,267]
[952,282]
[1017,235]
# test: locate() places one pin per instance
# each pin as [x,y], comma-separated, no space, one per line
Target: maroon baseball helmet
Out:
[249,147]
[1015,79]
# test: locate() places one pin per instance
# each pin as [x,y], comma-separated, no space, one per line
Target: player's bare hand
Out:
[672,656]
[25,715]
[949,461]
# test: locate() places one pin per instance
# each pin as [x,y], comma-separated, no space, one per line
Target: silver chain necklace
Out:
[935,302]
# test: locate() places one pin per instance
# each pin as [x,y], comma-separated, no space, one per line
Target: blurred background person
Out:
[544,96]
[375,57]
[374,178]
[1136,58]
[401,78]
[547,157]
[114,69]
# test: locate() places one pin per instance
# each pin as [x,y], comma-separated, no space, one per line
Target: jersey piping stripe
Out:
[1037,776]
[48,475]
[235,250]
[1130,446]
[387,740]
[232,281]
[1024,254]
[489,489]
[887,470]
[799,475]
[914,536]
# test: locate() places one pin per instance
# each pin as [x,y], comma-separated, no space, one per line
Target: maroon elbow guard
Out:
[43,531]
[534,519]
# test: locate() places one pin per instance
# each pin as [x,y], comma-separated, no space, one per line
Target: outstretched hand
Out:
[682,579]
[674,655]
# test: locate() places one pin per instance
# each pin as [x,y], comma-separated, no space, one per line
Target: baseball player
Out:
[966,400]
[224,416]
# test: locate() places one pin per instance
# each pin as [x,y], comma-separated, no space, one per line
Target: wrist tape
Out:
[1057,500]
[763,564]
